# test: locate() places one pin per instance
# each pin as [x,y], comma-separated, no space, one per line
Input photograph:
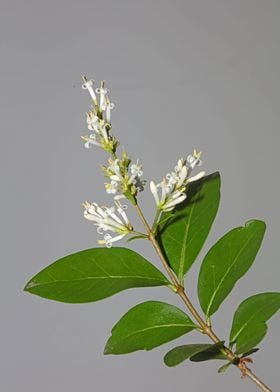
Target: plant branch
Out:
[151,237]
[248,372]
[205,328]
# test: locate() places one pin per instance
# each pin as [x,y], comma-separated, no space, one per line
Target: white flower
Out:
[178,177]
[154,190]
[90,140]
[194,159]
[92,121]
[136,171]
[112,187]
[119,197]
[198,176]
[103,131]
[171,190]
[168,199]
[88,85]
[108,240]
[176,198]
[115,170]
[109,107]
[108,219]
[102,91]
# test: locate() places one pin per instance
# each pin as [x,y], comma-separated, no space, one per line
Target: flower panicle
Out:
[171,191]
[98,118]
[124,176]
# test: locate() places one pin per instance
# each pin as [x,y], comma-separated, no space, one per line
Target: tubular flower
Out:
[171,190]
[98,118]
[108,219]
[125,178]
[91,140]
[194,159]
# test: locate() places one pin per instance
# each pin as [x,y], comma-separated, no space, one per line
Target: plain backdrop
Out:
[183,74]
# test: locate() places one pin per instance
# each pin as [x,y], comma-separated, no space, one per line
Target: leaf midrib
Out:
[226,273]
[96,278]
[183,250]
[249,320]
[183,256]
[157,327]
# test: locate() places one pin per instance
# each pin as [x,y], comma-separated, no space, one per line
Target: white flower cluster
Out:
[99,118]
[171,190]
[125,177]
[108,219]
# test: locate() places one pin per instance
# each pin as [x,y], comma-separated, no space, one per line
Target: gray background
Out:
[183,74]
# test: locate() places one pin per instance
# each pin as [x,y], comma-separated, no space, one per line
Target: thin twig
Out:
[248,372]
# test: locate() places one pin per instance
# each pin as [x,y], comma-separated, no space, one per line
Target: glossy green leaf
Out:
[94,274]
[212,352]
[226,262]
[249,322]
[183,236]
[180,353]
[146,326]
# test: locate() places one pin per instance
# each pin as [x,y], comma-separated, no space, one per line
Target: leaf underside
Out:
[224,368]
[194,352]
[226,262]
[94,274]
[146,326]
[183,233]
[213,352]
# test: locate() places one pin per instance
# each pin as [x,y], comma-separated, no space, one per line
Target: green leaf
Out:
[224,368]
[226,262]
[180,353]
[146,326]
[183,236]
[250,352]
[137,237]
[212,352]
[249,322]
[94,274]
[194,352]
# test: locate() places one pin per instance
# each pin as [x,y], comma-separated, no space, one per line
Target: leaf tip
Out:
[224,368]
[107,349]
[165,360]
[258,222]
[29,285]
